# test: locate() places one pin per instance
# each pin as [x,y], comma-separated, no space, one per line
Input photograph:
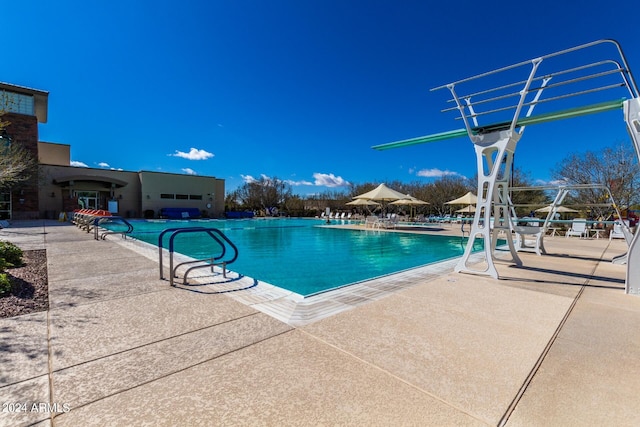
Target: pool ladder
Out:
[217,236]
[101,233]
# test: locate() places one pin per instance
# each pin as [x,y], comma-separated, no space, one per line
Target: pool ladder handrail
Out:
[212,261]
[102,219]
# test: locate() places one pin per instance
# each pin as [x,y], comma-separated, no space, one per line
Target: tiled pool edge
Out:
[294,309]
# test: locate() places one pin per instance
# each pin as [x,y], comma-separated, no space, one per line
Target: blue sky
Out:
[293,89]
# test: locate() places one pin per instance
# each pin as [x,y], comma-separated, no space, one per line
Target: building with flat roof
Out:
[61,188]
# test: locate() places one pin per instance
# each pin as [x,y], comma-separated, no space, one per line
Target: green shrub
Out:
[11,254]
[5,284]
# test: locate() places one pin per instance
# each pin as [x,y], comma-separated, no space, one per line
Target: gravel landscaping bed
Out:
[30,292]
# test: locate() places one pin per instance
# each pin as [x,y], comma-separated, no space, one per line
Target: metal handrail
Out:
[217,235]
[102,219]
[468,107]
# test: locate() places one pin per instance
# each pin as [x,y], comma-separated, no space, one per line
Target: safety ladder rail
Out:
[100,233]
[217,235]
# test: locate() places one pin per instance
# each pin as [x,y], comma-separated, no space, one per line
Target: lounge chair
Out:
[372,222]
[578,228]
[616,232]
[391,221]
[534,231]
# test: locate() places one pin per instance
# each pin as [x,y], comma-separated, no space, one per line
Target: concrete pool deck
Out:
[554,342]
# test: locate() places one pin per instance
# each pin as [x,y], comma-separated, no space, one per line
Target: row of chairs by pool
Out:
[85,218]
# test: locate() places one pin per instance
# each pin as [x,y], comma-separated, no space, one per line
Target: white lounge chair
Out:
[616,232]
[578,228]
[535,231]
[372,222]
[391,221]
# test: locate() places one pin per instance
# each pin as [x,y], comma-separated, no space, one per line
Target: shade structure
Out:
[559,209]
[467,199]
[468,209]
[382,193]
[362,202]
[409,201]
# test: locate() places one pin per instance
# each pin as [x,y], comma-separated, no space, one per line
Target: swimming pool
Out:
[302,256]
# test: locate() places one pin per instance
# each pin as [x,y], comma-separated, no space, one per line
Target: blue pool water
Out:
[302,256]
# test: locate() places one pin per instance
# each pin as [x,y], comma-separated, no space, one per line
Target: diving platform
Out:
[495,108]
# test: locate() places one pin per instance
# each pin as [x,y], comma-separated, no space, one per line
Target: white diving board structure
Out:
[495,107]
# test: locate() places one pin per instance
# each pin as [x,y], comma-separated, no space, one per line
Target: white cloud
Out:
[189,171]
[436,173]
[104,165]
[78,164]
[193,154]
[329,180]
[248,179]
[298,183]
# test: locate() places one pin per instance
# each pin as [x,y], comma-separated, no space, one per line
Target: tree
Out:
[443,190]
[526,201]
[262,194]
[16,163]
[616,167]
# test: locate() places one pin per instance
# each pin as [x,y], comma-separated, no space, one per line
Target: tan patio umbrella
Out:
[467,199]
[383,194]
[363,203]
[559,209]
[468,209]
[410,201]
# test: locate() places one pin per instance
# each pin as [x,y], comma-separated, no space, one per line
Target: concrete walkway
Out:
[553,343]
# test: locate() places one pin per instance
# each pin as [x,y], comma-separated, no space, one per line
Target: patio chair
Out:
[372,222]
[616,232]
[578,228]
[534,231]
[391,221]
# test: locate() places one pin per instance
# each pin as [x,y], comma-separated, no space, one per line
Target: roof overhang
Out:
[71,179]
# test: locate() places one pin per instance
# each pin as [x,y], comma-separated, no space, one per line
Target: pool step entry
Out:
[219,242]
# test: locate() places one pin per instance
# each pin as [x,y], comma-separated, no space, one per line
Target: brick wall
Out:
[23,130]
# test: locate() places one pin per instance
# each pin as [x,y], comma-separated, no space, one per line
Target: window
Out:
[17,103]
[167,196]
[182,196]
[5,206]
[195,196]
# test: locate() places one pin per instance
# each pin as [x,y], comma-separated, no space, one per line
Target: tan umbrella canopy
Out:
[469,209]
[559,209]
[382,193]
[409,200]
[362,202]
[467,199]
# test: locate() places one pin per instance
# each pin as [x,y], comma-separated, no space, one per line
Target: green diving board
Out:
[422,139]
[525,121]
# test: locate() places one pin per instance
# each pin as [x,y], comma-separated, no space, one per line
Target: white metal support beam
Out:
[632,118]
